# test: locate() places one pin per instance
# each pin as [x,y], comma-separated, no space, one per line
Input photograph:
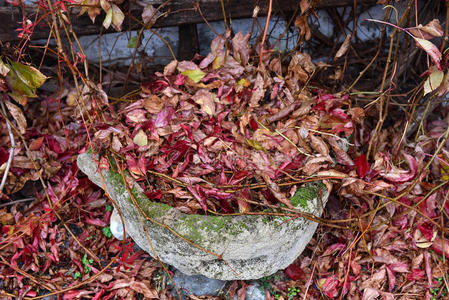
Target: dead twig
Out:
[11,150]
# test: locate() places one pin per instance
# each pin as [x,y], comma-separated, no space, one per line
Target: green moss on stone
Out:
[305,194]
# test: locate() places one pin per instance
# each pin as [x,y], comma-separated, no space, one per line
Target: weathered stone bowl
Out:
[249,247]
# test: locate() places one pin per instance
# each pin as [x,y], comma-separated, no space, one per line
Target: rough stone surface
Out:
[245,247]
[197,285]
[254,292]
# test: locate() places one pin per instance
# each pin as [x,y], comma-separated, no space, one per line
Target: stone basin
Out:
[245,247]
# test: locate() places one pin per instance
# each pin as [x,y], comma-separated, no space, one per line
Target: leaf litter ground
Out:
[218,134]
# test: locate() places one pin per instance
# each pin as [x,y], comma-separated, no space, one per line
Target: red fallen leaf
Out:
[31,293]
[391,278]
[431,49]
[253,124]
[96,222]
[98,295]
[398,267]
[362,165]
[399,175]
[55,251]
[154,195]
[180,79]
[244,206]
[4,155]
[328,286]
[400,221]
[128,256]
[196,193]
[54,145]
[154,86]
[76,294]
[133,166]
[428,206]
[334,248]
[431,30]
[416,274]
[232,289]
[14,258]
[294,272]
[241,293]
[426,230]
[238,177]
[439,245]
[164,117]
[35,144]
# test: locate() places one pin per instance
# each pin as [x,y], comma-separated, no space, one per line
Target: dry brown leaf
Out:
[143,289]
[304,5]
[312,169]
[258,91]
[153,104]
[206,100]
[357,114]
[302,25]
[149,15]
[170,68]
[344,47]
[319,145]
[18,116]
[431,30]
[301,67]
[331,173]
[341,156]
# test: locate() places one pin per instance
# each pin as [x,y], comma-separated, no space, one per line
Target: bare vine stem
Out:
[270,5]
[11,150]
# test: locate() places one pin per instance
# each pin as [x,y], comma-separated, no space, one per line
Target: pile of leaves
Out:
[54,237]
[206,132]
[220,134]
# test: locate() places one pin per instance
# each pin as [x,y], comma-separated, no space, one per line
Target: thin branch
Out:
[270,5]
[11,150]
[18,201]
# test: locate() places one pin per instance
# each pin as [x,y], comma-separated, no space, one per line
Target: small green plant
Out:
[292,292]
[266,284]
[86,262]
[77,275]
[107,232]
[436,291]
[108,208]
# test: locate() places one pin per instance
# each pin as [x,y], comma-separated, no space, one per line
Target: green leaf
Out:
[19,87]
[132,42]
[107,232]
[195,75]
[23,81]
[84,260]
[77,275]
[254,144]
[108,208]
[244,82]
[108,19]
[32,77]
